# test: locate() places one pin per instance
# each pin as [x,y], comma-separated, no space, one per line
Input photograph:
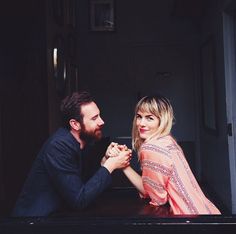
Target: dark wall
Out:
[28,99]
[23,92]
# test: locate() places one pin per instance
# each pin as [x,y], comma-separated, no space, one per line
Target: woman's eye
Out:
[149,118]
[138,116]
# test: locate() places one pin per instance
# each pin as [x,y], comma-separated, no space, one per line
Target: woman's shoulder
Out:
[163,145]
[156,151]
[163,142]
[158,145]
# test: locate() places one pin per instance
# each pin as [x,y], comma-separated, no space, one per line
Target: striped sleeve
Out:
[157,169]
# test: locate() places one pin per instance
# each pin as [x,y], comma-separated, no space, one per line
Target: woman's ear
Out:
[74,124]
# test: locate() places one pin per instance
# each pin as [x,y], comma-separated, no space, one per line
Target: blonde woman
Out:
[166,175]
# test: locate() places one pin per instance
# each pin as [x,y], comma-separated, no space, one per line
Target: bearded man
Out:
[54,181]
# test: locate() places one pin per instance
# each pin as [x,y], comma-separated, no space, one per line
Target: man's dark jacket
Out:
[55,179]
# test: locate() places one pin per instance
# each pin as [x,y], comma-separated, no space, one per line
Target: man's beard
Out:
[90,136]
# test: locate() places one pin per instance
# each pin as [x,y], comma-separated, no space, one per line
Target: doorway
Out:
[229,20]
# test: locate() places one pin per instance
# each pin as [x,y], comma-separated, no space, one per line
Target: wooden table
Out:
[120,211]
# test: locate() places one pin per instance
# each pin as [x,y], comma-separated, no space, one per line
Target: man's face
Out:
[91,127]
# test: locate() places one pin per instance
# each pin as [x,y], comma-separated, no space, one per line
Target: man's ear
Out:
[74,124]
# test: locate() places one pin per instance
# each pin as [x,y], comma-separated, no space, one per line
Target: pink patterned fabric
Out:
[167,177]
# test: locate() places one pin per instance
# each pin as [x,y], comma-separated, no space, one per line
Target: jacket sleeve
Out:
[64,172]
[156,173]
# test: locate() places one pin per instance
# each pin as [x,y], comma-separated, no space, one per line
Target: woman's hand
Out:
[110,150]
[114,149]
[116,157]
[122,160]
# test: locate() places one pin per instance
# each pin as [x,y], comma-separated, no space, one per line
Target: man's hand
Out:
[110,149]
[114,149]
[116,157]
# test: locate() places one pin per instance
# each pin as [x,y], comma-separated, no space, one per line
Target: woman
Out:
[166,175]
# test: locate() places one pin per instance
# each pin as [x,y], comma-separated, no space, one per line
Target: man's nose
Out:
[100,122]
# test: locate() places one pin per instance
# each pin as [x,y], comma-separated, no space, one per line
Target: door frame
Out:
[229,32]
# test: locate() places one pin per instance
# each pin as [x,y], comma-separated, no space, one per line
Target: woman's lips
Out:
[142,130]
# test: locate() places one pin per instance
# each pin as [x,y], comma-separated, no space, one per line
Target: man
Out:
[55,178]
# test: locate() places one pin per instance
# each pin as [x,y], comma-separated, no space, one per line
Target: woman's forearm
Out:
[135,179]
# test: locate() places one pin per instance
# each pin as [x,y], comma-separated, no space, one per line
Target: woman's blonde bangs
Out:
[150,107]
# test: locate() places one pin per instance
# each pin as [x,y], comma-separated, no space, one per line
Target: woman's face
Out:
[147,124]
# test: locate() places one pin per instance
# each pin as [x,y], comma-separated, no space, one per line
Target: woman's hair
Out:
[71,106]
[158,106]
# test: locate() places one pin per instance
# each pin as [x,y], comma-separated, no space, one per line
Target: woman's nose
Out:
[142,122]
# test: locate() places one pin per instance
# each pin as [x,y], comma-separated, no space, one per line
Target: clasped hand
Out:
[114,150]
[117,155]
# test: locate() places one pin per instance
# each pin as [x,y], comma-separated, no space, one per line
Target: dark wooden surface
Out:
[120,211]
[119,202]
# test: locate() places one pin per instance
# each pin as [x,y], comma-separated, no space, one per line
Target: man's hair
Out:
[71,106]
